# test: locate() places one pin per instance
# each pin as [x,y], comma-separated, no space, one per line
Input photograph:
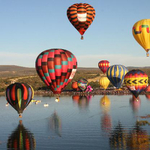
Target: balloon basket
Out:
[147,54]
[81,37]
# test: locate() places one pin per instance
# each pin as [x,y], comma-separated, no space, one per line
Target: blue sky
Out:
[31,26]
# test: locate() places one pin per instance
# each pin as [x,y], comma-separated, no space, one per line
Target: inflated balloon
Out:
[136,81]
[82,84]
[141,33]
[19,96]
[81,15]
[116,74]
[21,139]
[75,85]
[104,82]
[103,65]
[56,68]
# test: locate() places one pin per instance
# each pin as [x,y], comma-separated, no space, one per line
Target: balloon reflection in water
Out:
[106,122]
[21,139]
[118,137]
[55,123]
[138,139]
[135,103]
[82,101]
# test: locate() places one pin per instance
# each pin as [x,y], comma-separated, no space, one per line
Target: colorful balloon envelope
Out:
[82,84]
[21,139]
[141,33]
[81,15]
[116,75]
[136,81]
[19,96]
[103,65]
[104,82]
[74,85]
[56,68]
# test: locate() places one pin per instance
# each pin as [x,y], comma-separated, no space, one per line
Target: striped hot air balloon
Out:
[21,139]
[19,96]
[136,81]
[103,65]
[116,75]
[81,15]
[56,68]
[82,84]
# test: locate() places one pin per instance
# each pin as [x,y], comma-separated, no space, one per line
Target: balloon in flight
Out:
[19,96]
[81,15]
[115,74]
[141,33]
[136,81]
[103,65]
[56,68]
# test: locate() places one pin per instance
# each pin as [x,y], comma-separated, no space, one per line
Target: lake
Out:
[78,123]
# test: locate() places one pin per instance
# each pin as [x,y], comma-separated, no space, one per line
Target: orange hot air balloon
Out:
[81,15]
[75,85]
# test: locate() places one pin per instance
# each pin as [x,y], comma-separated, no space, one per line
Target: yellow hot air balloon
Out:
[141,33]
[104,82]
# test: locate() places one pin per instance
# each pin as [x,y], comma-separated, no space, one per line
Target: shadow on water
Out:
[21,139]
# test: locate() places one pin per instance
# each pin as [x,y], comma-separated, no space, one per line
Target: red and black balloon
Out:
[56,68]
[19,96]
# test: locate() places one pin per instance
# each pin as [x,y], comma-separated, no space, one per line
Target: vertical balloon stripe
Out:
[25,92]
[13,93]
[19,97]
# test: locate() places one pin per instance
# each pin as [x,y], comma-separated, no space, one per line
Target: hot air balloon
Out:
[21,139]
[103,65]
[141,33]
[56,68]
[81,15]
[104,82]
[116,74]
[82,84]
[75,86]
[136,81]
[19,96]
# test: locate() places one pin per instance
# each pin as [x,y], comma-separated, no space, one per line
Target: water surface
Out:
[77,123]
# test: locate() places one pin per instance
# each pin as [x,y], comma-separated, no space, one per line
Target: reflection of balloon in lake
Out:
[19,95]
[82,101]
[106,122]
[135,103]
[138,139]
[147,96]
[55,123]
[105,103]
[118,138]
[21,139]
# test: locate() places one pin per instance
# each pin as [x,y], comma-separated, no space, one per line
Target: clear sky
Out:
[28,27]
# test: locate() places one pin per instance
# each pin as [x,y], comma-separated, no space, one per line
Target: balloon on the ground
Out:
[115,74]
[141,33]
[56,68]
[104,82]
[82,84]
[75,85]
[103,65]
[81,15]
[19,95]
[136,81]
